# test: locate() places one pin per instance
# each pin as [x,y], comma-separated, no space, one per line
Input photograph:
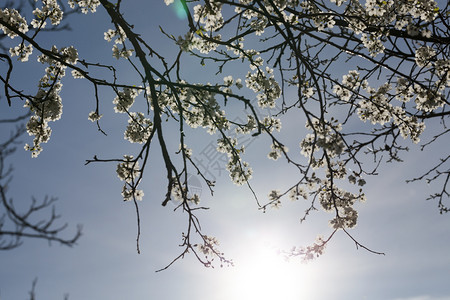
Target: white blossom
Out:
[128,170]
[139,128]
[94,116]
[85,5]
[125,99]
[123,52]
[208,247]
[50,9]
[373,44]
[424,55]
[13,18]
[22,52]
[130,194]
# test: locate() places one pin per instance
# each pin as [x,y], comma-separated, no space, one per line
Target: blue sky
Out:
[104,265]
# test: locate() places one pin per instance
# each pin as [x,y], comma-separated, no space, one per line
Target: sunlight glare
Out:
[267,275]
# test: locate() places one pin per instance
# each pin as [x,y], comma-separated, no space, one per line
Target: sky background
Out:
[104,264]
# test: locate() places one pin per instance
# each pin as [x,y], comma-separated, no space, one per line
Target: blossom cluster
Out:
[277,151]
[94,116]
[386,14]
[350,83]
[239,171]
[321,21]
[21,51]
[119,37]
[309,252]
[208,247]
[85,5]
[13,18]
[181,193]
[248,127]
[204,44]
[211,16]
[373,43]
[229,82]
[125,99]
[50,9]
[296,192]
[378,109]
[197,105]
[325,136]
[129,171]
[265,85]
[424,55]
[47,103]
[333,198]
[139,128]
[16,22]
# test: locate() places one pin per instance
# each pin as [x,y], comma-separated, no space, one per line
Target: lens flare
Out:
[178,8]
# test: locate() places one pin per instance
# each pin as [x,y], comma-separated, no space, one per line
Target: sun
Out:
[265,274]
